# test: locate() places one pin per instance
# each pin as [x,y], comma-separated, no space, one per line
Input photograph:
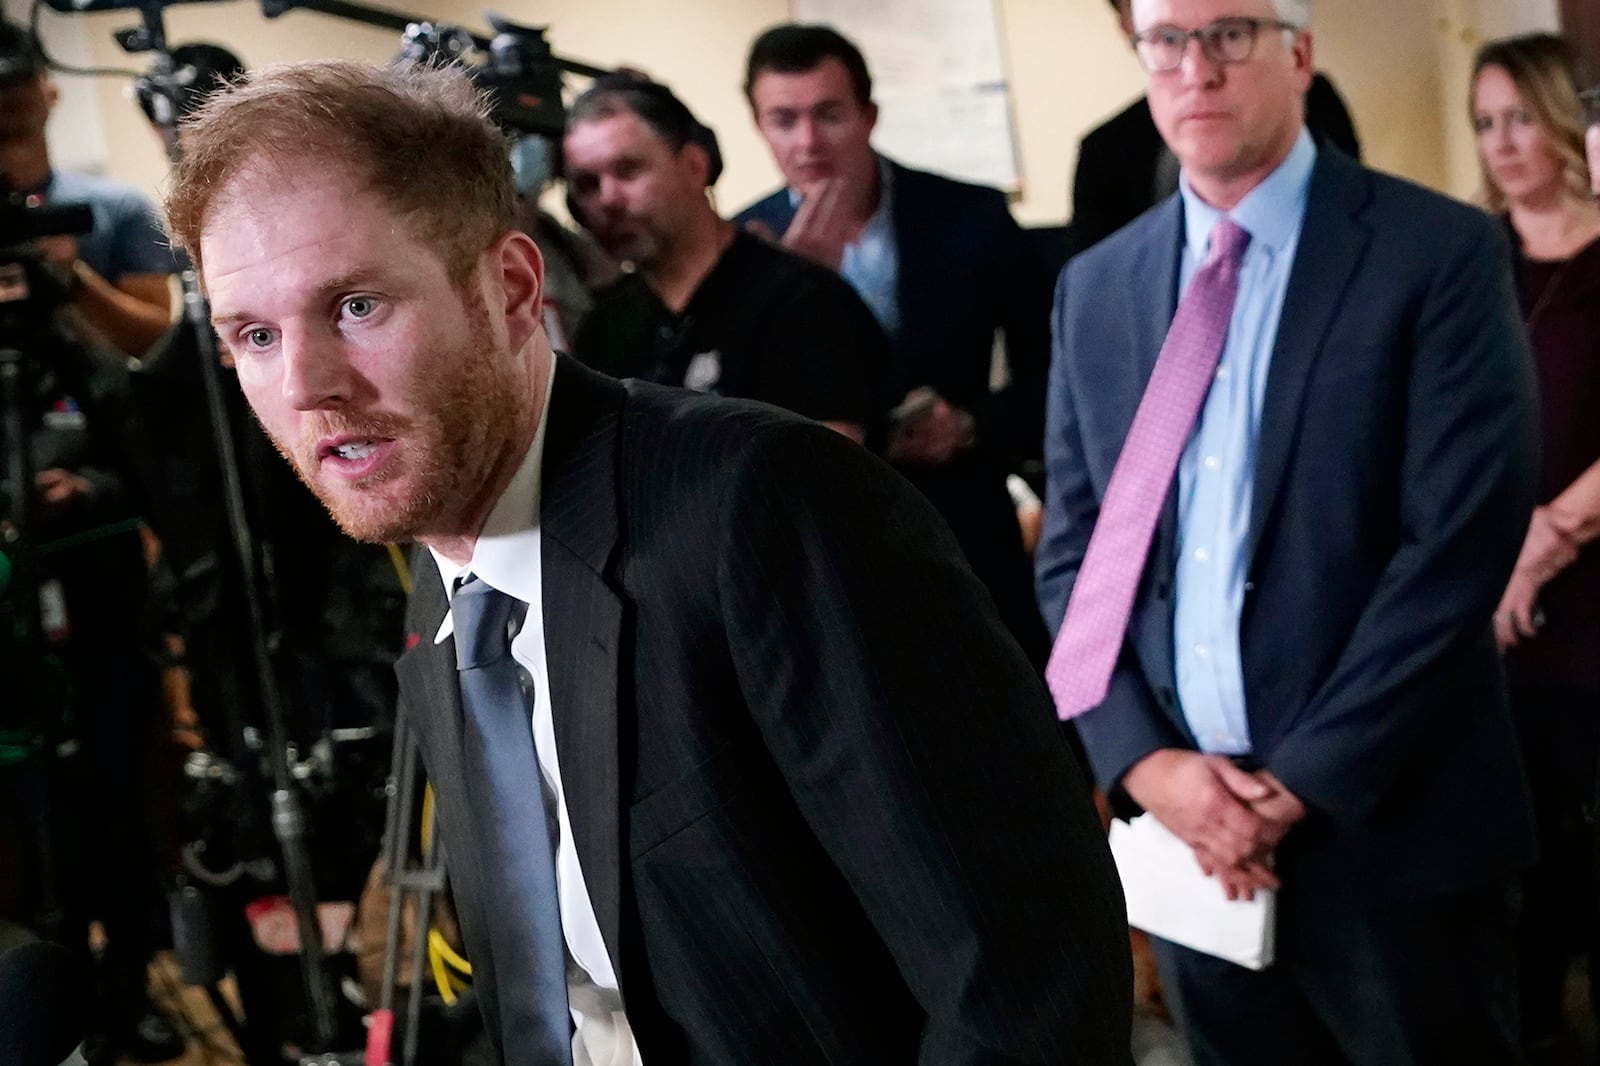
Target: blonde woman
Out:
[1530,138]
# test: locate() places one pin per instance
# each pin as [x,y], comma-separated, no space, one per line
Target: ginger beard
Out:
[465,415]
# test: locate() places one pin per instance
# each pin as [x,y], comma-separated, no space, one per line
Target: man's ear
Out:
[518,268]
[1304,64]
[52,94]
[872,116]
[696,162]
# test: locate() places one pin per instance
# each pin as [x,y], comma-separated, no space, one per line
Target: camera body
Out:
[29,290]
[518,71]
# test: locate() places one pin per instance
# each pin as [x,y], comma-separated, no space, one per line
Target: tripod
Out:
[162,85]
[37,702]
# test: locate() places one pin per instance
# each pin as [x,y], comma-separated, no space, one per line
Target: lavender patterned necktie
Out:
[1086,650]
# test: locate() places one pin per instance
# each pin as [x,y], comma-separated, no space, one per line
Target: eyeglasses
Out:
[1229,40]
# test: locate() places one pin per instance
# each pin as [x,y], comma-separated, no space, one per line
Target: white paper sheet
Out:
[1168,896]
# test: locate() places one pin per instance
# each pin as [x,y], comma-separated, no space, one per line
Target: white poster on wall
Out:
[939,79]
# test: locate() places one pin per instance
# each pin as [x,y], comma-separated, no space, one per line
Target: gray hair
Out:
[1295,12]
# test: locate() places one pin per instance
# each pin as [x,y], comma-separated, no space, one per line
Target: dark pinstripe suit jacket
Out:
[824,811]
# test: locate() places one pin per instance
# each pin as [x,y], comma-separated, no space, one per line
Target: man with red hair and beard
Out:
[735,761]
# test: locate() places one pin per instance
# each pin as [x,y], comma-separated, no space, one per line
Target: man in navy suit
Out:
[1306,689]
[943,266]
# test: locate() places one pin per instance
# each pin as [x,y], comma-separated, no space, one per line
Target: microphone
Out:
[44,990]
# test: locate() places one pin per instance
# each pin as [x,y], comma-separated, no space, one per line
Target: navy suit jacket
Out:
[1394,481]
[815,827]
[967,270]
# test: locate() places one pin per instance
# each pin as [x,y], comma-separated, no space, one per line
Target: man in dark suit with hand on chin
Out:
[734,760]
[944,268]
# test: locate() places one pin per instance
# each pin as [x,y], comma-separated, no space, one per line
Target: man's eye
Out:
[1169,38]
[1230,34]
[260,337]
[360,306]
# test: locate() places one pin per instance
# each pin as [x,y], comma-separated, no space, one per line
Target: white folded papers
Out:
[1169,897]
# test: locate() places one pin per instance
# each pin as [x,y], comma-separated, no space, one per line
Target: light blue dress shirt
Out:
[871,262]
[1216,476]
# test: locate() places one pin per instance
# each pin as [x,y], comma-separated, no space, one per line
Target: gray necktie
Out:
[511,830]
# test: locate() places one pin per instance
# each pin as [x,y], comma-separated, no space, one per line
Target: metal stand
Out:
[423,877]
[31,728]
[288,819]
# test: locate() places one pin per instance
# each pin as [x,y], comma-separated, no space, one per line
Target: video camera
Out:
[518,71]
[31,290]
[26,286]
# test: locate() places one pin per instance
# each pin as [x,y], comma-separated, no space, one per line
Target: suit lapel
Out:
[427,673]
[1332,244]
[1155,277]
[777,212]
[914,240]
[578,520]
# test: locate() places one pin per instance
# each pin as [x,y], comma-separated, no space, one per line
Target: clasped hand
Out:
[1232,818]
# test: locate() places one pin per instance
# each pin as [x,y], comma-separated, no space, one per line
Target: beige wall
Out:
[1402,65]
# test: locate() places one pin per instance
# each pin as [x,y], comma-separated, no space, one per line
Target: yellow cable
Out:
[401,568]
[441,956]
[436,941]
[427,815]
[441,976]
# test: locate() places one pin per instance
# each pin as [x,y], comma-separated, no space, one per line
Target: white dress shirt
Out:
[507,557]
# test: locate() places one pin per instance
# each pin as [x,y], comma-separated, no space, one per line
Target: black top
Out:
[1561,304]
[764,325]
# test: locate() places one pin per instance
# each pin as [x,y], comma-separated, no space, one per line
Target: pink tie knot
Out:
[1228,241]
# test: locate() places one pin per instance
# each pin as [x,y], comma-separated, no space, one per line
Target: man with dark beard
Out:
[708,306]
[725,774]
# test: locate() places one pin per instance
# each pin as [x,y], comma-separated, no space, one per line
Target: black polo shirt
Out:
[763,325]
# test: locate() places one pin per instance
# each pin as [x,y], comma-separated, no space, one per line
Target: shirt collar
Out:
[507,552]
[1271,212]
